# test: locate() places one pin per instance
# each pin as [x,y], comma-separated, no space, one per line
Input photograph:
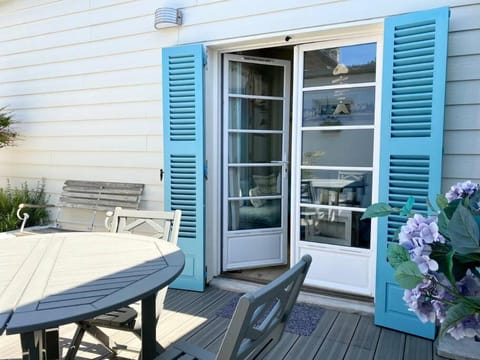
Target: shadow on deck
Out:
[192,316]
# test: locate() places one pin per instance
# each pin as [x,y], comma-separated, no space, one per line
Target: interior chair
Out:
[352,194]
[257,323]
[163,225]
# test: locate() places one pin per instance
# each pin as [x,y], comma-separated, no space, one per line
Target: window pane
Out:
[339,107]
[255,114]
[335,227]
[340,65]
[255,79]
[338,148]
[254,148]
[336,188]
[244,215]
[254,181]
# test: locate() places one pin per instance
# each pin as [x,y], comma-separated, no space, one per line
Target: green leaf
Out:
[455,314]
[407,208]
[443,224]
[378,209]
[443,255]
[442,201]
[408,275]
[451,207]
[463,231]
[397,255]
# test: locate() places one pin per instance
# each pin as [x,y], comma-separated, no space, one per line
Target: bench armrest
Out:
[24,216]
[108,220]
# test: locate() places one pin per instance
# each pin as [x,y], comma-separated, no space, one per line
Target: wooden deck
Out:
[192,316]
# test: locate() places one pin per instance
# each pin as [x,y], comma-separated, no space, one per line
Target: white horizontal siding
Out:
[461,160]
[84,78]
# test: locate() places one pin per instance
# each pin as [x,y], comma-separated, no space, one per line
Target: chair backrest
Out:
[163,225]
[260,317]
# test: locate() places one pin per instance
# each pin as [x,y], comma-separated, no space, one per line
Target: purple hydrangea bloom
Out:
[468,327]
[420,302]
[421,230]
[442,294]
[417,236]
[461,190]
[469,285]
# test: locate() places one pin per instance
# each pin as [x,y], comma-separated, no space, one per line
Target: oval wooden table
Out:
[48,280]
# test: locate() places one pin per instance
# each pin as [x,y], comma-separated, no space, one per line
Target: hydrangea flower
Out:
[461,190]
[417,236]
[468,327]
[432,298]
[419,301]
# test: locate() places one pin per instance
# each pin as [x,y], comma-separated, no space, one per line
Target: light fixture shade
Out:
[166,17]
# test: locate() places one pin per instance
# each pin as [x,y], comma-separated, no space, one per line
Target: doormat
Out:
[303,319]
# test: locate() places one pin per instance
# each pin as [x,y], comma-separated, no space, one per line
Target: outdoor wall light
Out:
[166,17]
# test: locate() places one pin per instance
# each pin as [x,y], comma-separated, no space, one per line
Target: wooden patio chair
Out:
[257,323]
[164,225]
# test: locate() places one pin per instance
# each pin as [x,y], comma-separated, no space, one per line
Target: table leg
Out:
[149,331]
[52,344]
[33,345]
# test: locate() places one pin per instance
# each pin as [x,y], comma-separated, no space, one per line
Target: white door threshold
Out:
[328,302]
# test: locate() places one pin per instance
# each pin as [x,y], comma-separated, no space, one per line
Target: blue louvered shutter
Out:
[183,115]
[413,101]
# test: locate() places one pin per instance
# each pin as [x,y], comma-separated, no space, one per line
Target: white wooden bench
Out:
[80,201]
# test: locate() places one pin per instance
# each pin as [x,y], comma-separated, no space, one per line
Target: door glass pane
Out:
[254,214]
[345,188]
[339,107]
[340,65]
[255,114]
[334,227]
[255,79]
[254,148]
[338,148]
[254,181]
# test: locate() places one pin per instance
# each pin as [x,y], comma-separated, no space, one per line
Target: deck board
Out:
[307,346]
[192,316]
[338,338]
[364,340]
[391,345]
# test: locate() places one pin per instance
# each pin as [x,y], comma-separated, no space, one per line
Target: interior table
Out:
[48,280]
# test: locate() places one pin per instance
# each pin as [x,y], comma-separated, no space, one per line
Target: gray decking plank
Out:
[307,346]
[417,348]
[391,345]
[338,338]
[364,341]
[191,317]
[283,347]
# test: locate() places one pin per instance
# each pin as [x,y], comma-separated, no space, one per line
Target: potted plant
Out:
[437,259]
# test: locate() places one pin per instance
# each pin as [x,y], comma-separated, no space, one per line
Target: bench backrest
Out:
[94,196]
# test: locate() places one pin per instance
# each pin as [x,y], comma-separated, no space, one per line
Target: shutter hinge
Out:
[205,170]
[161,174]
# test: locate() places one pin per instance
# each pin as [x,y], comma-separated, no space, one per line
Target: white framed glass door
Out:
[255,161]
[334,134]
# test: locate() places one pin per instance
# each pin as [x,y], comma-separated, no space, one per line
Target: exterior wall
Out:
[462,113]
[84,79]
